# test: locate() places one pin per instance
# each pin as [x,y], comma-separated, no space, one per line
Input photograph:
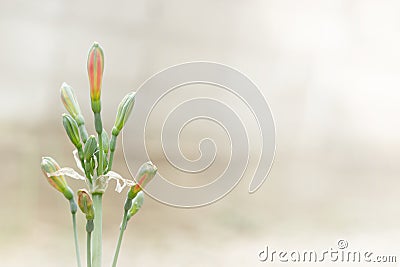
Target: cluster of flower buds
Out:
[95,154]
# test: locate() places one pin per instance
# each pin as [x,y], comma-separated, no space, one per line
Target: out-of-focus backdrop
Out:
[330,71]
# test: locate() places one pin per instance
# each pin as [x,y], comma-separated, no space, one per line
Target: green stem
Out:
[97,233]
[100,170]
[110,162]
[113,144]
[99,128]
[89,230]
[81,157]
[78,257]
[121,234]
[89,249]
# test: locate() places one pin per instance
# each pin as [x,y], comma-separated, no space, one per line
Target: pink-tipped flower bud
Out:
[85,203]
[49,166]
[145,174]
[95,67]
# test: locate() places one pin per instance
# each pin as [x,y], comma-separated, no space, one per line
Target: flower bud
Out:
[85,203]
[137,204]
[70,102]
[95,67]
[49,166]
[90,148]
[71,127]
[105,141]
[145,174]
[124,110]
[72,106]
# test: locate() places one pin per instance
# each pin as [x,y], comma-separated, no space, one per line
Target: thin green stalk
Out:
[100,170]
[99,128]
[121,234]
[97,233]
[113,144]
[89,230]
[89,249]
[78,257]
[110,162]
[81,157]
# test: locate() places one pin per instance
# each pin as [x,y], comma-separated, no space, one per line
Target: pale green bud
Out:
[136,205]
[105,141]
[123,112]
[71,127]
[71,104]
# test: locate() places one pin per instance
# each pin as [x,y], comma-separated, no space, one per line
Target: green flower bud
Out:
[90,147]
[71,104]
[85,203]
[145,174]
[49,166]
[71,127]
[137,204]
[89,166]
[124,110]
[105,141]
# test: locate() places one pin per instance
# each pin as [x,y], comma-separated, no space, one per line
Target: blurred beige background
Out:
[329,69]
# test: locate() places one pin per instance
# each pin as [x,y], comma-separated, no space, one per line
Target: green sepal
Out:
[72,205]
[89,226]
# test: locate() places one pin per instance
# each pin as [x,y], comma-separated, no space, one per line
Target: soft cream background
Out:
[329,69]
